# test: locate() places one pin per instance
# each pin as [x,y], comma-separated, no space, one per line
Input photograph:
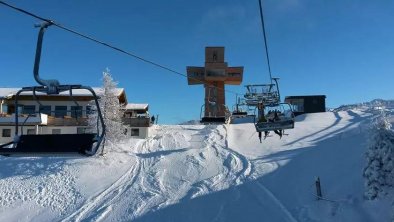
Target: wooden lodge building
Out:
[60,114]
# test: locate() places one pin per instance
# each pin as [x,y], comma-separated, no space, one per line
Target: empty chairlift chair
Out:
[268,94]
[86,144]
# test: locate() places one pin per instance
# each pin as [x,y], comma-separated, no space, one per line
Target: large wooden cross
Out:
[214,76]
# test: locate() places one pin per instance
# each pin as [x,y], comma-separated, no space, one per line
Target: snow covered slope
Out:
[203,173]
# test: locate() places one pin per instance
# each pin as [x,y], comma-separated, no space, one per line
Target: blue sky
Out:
[341,48]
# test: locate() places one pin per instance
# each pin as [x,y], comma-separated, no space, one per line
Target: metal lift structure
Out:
[86,144]
[272,114]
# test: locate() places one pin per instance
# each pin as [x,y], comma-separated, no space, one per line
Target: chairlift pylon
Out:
[86,144]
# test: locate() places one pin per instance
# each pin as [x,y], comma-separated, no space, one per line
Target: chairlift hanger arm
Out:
[25,89]
[277,86]
[51,84]
[36,98]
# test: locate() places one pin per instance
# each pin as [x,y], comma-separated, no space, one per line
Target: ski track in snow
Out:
[143,181]
[273,198]
[236,168]
[243,169]
[97,207]
[164,195]
[246,170]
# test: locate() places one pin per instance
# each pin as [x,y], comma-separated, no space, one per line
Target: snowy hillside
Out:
[375,104]
[203,173]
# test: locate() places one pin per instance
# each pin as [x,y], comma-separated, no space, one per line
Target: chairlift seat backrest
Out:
[53,143]
[278,125]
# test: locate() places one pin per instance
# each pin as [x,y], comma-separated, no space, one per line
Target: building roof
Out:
[306,96]
[136,106]
[8,92]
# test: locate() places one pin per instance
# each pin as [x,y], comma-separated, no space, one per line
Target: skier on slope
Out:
[262,118]
[276,118]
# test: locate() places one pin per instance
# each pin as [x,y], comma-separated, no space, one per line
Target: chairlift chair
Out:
[239,108]
[278,117]
[242,113]
[268,94]
[86,144]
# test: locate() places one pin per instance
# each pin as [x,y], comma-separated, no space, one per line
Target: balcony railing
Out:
[67,121]
[136,121]
[24,119]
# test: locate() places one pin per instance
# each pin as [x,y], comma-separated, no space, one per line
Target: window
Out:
[45,110]
[60,111]
[31,131]
[20,109]
[298,105]
[6,133]
[135,132]
[216,72]
[82,130]
[234,74]
[4,108]
[10,109]
[31,109]
[76,111]
[56,131]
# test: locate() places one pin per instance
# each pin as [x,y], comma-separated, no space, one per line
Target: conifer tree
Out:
[111,110]
[379,170]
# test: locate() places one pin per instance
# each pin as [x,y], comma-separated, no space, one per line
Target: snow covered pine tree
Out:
[111,110]
[379,171]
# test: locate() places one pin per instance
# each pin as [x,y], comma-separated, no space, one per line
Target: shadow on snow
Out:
[287,193]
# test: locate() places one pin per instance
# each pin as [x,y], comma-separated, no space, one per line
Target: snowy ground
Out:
[203,173]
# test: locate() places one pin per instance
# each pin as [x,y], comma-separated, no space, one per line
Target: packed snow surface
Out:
[203,173]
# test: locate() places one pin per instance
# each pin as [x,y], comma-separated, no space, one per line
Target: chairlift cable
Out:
[265,39]
[110,46]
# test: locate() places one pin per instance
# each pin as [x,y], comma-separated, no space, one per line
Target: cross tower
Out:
[214,76]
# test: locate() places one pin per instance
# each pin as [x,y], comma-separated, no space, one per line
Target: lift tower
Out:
[214,75]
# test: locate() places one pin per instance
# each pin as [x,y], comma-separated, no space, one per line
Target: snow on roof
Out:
[5,92]
[136,106]
[8,92]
